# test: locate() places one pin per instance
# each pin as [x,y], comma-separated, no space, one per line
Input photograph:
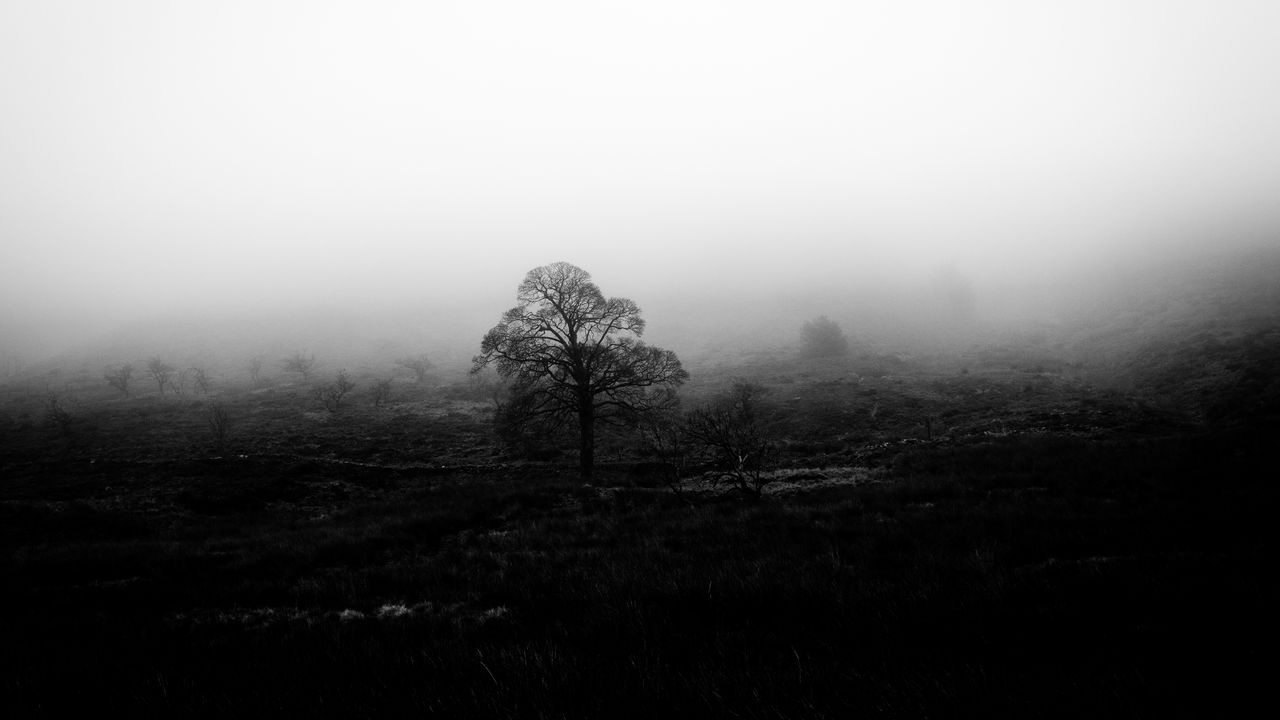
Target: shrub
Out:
[822,337]
[331,395]
[729,429]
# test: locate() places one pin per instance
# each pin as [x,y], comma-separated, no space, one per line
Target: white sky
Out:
[169,154]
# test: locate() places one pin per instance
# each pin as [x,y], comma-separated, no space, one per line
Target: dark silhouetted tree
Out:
[219,422]
[571,353]
[822,337]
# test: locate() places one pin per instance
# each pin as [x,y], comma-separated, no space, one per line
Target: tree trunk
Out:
[587,437]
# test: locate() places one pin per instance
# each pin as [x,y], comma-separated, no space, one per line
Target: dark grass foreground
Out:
[1020,576]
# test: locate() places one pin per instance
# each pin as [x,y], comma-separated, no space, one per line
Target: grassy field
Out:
[1037,547]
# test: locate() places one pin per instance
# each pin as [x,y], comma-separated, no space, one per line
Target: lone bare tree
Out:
[572,353]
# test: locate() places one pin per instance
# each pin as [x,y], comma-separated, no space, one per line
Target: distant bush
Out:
[822,337]
[417,364]
[300,364]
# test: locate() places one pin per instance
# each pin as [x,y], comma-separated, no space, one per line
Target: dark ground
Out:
[981,533]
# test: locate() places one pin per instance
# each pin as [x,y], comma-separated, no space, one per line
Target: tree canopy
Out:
[572,353]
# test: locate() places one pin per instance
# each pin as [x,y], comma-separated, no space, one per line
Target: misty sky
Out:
[162,155]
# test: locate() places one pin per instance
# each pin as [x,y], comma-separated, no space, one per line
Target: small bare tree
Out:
[161,372]
[118,377]
[381,392]
[218,422]
[417,364]
[301,364]
[729,428]
[331,395]
[56,413]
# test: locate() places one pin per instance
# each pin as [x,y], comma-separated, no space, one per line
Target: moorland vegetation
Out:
[1065,520]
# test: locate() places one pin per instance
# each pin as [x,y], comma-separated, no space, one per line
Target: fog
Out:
[166,160]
